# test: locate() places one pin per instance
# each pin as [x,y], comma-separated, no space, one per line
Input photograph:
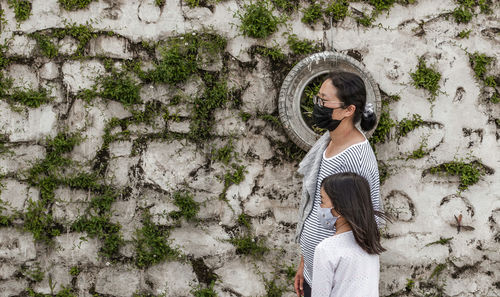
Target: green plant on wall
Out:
[426,78]
[301,46]
[337,10]
[22,9]
[408,124]
[480,63]
[45,44]
[257,19]
[122,88]
[151,245]
[74,4]
[467,9]
[188,208]
[81,32]
[313,13]
[468,172]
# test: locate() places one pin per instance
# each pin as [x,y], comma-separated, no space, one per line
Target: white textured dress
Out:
[342,268]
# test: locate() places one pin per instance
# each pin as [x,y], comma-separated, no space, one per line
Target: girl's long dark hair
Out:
[350,196]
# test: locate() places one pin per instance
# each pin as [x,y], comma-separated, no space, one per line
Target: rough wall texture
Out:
[141,152]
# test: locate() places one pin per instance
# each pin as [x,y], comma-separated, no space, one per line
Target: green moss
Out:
[31,98]
[301,47]
[160,3]
[462,14]
[381,5]
[224,154]
[257,19]
[469,173]
[188,208]
[337,10]
[208,291]
[45,44]
[464,34]
[274,53]
[215,96]
[82,33]
[271,119]
[467,9]
[495,98]
[437,270]
[64,292]
[273,289]
[244,220]
[176,65]
[426,78]
[74,270]
[249,245]
[22,9]
[234,177]
[441,241]
[287,6]
[410,284]
[101,227]
[479,63]
[418,153]
[290,272]
[312,14]
[382,132]
[40,222]
[74,4]
[122,88]
[365,20]
[406,125]
[151,246]
[245,116]
[490,81]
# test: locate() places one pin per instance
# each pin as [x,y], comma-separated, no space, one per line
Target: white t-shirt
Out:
[342,268]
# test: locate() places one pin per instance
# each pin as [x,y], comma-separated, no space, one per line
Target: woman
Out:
[347,264]
[338,107]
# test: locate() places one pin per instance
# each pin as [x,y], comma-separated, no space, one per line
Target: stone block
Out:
[68,46]
[202,242]
[171,278]
[163,170]
[79,75]
[120,148]
[75,249]
[58,275]
[149,12]
[7,271]
[23,76]
[240,276]
[13,287]
[49,71]
[179,127]
[34,124]
[119,170]
[21,45]
[15,196]
[118,281]
[228,122]
[68,212]
[110,46]
[16,246]
[22,156]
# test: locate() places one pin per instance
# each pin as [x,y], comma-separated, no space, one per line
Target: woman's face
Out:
[328,94]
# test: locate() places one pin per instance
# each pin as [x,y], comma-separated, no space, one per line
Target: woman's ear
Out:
[350,110]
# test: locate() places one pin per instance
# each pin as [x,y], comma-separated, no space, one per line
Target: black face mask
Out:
[322,117]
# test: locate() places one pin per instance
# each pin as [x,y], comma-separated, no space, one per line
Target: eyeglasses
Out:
[321,102]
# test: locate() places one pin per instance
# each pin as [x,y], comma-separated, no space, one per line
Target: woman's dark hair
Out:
[350,196]
[351,91]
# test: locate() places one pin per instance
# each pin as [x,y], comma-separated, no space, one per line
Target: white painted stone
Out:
[79,75]
[160,213]
[256,205]
[124,214]
[49,71]
[110,46]
[68,46]
[202,242]
[23,76]
[162,169]
[228,122]
[260,96]
[179,127]
[207,181]
[400,206]
[157,126]
[241,277]
[66,194]
[120,148]
[75,249]
[7,271]
[33,124]
[119,170]
[21,45]
[238,48]
[15,196]
[59,275]
[209,61]
[16,246]
[84,282]
[22,156]
[148,11]
[13,287]
[118,281]
[68,212]
[55,90]
[171,278]
[257,145]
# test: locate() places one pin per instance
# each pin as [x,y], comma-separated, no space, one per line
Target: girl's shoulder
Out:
[337,242]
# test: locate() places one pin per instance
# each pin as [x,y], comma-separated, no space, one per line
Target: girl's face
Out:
[326,202]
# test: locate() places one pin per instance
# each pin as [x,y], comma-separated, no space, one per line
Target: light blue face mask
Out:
[326,219]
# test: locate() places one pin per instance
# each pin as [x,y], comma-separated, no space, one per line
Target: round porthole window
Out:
[303,81]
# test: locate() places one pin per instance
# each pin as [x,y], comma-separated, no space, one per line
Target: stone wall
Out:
[141,151]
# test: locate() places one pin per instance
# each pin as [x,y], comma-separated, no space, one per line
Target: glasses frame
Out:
[321,102]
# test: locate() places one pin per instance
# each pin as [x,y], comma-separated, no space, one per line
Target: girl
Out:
[339,105]
[347,263]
